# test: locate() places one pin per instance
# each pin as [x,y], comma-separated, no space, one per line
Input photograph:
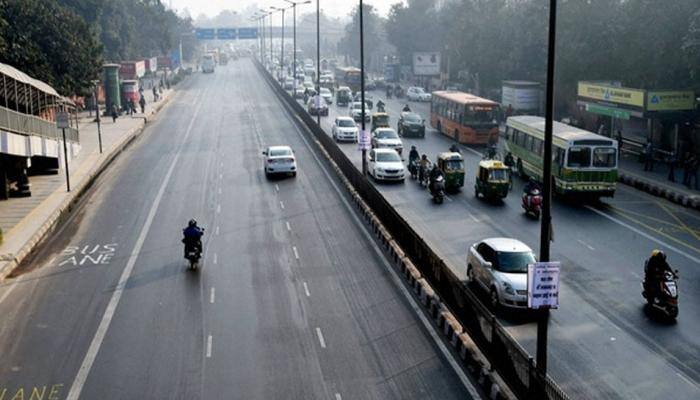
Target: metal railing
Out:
[504,353]
[31,125]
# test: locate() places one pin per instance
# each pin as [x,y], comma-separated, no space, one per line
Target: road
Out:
[292,300]
[602,342]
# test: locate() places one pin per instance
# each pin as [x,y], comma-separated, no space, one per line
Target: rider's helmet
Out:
[413,147]
[658,254]
[192,223]
[424,157]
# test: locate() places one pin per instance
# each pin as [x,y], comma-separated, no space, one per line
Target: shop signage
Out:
[608,111]
[630,97]
[543,285]
[670,100]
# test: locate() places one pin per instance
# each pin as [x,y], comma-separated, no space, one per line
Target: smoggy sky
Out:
[336,8]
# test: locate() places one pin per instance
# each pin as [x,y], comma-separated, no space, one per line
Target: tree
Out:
[411,27]
[374,36]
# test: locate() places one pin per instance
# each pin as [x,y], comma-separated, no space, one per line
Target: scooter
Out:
[193,256]
[437,189]
[666,301]
[532,203]
[413,169]
[424,176]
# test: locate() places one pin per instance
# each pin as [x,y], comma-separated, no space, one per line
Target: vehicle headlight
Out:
[380,169]
[508,288]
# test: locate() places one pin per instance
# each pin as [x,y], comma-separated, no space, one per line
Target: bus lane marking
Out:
[680,222]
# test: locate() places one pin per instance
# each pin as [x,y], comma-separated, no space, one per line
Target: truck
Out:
[208,63]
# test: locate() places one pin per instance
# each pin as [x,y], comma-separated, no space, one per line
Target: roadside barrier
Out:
[464,320]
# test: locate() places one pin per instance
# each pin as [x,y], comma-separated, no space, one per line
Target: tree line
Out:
[65,42]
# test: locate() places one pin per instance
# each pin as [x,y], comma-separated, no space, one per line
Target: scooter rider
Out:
[654,269]
[435,173]
[413,154]
[529,190]
[192,236]
[380,106]
[454,148]
[509,162]
[406,108]
[424,165]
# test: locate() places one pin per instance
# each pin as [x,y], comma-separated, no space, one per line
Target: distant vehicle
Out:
[343,96]
[317,109]
[369,100]
[289,83]
[348,76]
[386,164]
[344,129]
[356,111]
[583,163]
[299,92]
[223,58]
[462,116]
[279,160]
[208,63]
[411,124]
[415,93]
[327,95]
[499,265]
[387,138]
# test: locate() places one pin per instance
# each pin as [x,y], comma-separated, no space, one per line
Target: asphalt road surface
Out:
[602,342]
[292,300]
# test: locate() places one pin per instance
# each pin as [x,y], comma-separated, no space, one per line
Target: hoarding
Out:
[426,63]
[521,95]
[630,97]
[543,285]
[226,33]
[670,100]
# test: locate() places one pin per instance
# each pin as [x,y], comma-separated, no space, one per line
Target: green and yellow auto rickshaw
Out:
[492,180]
[452,166]
[379,120]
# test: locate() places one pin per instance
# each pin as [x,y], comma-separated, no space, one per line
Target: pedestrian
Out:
[155,93]
[649,156]
[619,143]
[685,163]
[115,113]
[142,103]
[671,161]
[693,165]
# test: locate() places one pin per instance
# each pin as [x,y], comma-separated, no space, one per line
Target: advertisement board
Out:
[543,285]
[364,142]
[618,95]
[670,100]
[521,95]
[426,63]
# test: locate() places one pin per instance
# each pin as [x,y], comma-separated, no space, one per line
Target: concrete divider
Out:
[661,190]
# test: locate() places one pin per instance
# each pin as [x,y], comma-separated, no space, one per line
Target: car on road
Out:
[344,129]
[499,266]
[369,100]
[343,96]
[327,95]
[411,124]
[317,106]
[279,160]
[386,165]
[387,138]
[289,83]
[415,93]
[356,111]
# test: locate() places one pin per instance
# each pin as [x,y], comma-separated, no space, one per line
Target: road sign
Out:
[205,33]
[226,33]
[247,33]
[62,120]
[543,285]
[608,111]
[364,142]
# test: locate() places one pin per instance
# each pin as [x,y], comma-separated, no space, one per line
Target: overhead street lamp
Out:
[294,17]
[256,18]
[282,9]
[362,87]
[318,61]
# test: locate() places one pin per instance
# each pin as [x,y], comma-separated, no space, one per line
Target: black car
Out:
[411,124]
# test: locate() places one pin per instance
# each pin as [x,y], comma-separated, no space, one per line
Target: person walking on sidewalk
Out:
[115,113]
[155,93]
[692,165]
[619,143]
[671,161]
[649,156]
[142,103]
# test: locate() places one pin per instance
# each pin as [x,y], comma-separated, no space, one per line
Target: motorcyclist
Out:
[192,236]
[528,190]
[654,269]
[510,163]
[454,148]
[413,154]
[424,165]
[435,173]
[380,106]
[406,108]
[388,91]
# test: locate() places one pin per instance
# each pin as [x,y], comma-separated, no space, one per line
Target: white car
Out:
[499,265]
[327,95]
[386,165]
[387,138]
[289,83]
[344,129]
[415,93]
[279,160]
[356,111]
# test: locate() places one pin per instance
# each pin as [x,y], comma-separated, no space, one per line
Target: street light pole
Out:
[546,227]
[294,64]
[362,87]
[318,61]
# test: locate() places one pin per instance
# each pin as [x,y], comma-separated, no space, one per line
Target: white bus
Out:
[208,63]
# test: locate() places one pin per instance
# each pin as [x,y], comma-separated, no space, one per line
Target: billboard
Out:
[611,94]
[670,100]
[543,285]
[426,63]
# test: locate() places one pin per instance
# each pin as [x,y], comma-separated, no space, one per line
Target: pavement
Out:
[292,300]
[26,221]
[603,343]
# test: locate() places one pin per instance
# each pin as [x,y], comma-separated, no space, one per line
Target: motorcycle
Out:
[413,168]
[532,203]
[399,92]
[424,176]
[193,254]
[437,190]
[666,298]
[388,92]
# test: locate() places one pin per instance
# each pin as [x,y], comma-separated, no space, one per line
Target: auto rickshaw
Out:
[492,180]
[343,96]
[452,166]
[380,120]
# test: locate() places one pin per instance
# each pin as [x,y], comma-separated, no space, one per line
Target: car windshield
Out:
[325,91]
[498,175]
[280,152]
[419,90]
[513,262]
[388,157]
[604,157]
[453,165]
[415,118]
[346,123]
[386,134]
[579,157]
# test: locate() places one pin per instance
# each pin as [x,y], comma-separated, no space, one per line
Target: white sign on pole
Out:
[364,142]
[62,120]
[426,63]
[543,285]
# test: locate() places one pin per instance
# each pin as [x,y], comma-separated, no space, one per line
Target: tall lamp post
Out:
[362,87]
[318,61]
[294,17]
[282,9]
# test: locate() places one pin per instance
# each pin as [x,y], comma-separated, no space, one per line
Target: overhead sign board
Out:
[247,33]
[205,33]
[543,285]
[62,120]
[426,63]
[226,33]
[608,111]
[611,94]
[670,100]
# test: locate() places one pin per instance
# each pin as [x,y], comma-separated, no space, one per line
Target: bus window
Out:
[579,157]
[604,157]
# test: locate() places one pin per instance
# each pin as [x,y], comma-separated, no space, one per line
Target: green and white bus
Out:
[583,162]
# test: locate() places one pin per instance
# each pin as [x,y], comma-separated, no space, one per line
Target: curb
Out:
[76,194]
[669,194]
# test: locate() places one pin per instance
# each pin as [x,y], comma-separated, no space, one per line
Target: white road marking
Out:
[591,248]
[320,338]
[219,190]
[289,227]
[277,187]
[8,291]
[612,338]
[85,367]
[212,295]
[209,340]
[337,396]
[221,176]
[218,208]
[296,253]
[448,198]
[216,259]
[636,275]
[646,235]
[473,218]
[688,381]
[306,290]
[217,230]
[282,204]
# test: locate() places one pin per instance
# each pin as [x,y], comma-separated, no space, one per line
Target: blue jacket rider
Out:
[193,236]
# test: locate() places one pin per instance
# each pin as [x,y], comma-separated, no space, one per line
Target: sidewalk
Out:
[25,222]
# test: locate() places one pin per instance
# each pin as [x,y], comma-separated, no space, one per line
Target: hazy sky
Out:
[336,8]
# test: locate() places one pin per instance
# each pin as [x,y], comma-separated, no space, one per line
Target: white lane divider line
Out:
[219,190]
[209,340]
[320,338]
[306,290]
[591,248]
[221,176]
[218,208]
[281,204]
[217,230]
[296,253]
[473,218]
[212,295]
[277,187]
[337,396]
[688,381]
[85,367]
[448,198]
[289,227]
[216,259]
